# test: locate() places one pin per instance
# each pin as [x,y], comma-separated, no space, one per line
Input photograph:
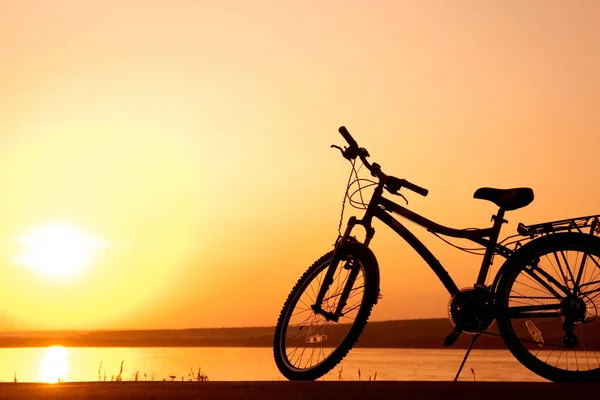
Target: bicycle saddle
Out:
[507,199]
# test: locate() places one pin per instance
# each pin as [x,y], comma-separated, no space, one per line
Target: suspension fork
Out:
[337,256]
[340,255]
[352,265]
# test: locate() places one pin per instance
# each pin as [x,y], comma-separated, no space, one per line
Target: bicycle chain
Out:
[533,297]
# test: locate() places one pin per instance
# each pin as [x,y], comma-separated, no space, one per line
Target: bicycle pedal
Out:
[452,336]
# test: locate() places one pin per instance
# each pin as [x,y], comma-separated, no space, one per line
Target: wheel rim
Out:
[308,339]
[557,328]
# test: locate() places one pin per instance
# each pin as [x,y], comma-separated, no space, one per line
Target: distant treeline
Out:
[422,333]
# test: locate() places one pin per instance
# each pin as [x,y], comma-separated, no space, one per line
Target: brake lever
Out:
[338,147]
[401,195]
[347,152]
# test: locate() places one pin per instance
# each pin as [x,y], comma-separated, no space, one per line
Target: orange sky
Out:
[193,139]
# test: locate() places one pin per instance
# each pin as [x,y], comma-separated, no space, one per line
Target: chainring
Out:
[472,309]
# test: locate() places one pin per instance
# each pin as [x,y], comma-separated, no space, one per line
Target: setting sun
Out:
[54,365]
[56,250]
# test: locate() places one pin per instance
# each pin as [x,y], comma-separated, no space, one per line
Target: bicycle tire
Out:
[370,270]
[537,249]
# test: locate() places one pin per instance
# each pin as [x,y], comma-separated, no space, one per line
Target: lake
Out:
[248,364]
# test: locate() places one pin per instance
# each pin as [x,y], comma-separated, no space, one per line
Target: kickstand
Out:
[466,355]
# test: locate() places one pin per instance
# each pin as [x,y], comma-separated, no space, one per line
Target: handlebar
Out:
[346,135]
[415,188]
[392,184]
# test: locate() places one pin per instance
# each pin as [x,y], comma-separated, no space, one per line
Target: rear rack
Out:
[571,224]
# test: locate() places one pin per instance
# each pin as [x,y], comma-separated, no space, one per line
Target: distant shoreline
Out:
[420,334]
[426,333]
[399,334]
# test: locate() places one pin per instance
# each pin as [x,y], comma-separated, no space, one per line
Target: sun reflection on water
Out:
[54,365]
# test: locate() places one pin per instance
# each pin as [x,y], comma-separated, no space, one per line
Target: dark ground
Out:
[299,390]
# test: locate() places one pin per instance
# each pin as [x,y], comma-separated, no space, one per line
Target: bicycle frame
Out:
[564,291]
[381,208]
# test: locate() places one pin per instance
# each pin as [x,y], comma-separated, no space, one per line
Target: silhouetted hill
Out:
[421,333]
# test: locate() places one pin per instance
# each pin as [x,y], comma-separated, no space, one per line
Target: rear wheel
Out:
[307,345]
[548,298]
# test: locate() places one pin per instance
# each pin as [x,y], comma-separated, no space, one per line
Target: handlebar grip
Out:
[346,135]
[417,189]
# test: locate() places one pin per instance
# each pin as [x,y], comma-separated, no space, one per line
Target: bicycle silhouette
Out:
[544,298]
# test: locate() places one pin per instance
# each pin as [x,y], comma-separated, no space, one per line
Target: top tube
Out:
[471,234]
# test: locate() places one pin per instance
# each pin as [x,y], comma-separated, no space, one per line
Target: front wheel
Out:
[548,297]
[307,344]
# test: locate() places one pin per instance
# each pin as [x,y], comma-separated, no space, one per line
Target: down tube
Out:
[420,248]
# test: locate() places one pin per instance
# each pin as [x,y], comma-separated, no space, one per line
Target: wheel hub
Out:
[472,310]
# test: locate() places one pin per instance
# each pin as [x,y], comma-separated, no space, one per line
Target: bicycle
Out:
[544,312]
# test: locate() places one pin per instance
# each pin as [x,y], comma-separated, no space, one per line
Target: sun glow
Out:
[54,365]
[56,250]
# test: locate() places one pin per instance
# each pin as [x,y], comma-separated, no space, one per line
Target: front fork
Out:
[339,255]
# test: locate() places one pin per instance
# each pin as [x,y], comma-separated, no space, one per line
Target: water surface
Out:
[248,364]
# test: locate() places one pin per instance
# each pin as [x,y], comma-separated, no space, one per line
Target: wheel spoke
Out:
[581,269]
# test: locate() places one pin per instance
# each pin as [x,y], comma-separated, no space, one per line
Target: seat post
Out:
[489,251]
